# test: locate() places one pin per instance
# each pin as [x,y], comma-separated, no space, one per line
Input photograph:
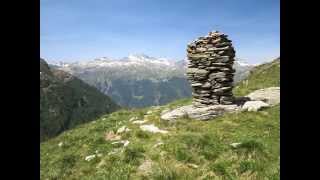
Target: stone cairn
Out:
[210,70]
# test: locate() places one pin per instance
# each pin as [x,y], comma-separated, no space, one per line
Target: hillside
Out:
[139,80]
[66,101]
[242,145]
[264,75]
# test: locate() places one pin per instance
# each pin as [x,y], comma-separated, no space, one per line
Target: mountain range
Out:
[139,80]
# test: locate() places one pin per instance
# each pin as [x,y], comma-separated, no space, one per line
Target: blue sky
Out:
[85,29]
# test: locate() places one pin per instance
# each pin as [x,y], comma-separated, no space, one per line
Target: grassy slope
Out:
[265,75]
[206,144]
[66,103]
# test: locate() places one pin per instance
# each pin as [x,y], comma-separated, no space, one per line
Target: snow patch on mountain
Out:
[141,66]
[131,60]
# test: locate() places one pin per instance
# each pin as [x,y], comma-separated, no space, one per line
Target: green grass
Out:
[262,76]
[191,150]
[206,144]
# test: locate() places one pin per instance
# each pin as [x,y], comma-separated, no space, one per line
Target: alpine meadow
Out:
[159,90]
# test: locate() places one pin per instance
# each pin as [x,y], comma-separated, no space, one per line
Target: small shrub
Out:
[182,154]
[68,161]
[53,174]
[126,135]
[193,128]
[132,154]
[115,171]
[221,169]
[198,140]
[252,146]
[142,134]
[164,172]
[275,176]
[100,140]
[209,154]
[155,156]
[246,166]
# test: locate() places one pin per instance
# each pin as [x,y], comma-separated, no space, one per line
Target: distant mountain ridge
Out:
[139,80]
[130,67]
[66,101]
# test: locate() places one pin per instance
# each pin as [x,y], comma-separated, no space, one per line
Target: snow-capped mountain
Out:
[136,66]
[139,80]
[132,59]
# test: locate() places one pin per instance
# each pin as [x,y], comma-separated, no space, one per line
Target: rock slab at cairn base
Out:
[199,113]
[258,99]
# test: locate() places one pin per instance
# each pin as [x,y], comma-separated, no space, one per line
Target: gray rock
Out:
[206,85]
[202,113]
[223,44]
[90,157]
[212,68]
[270,95]
[152,128]
[198,56]
[220,64]
[254,105]
[201,49]
[217,75]
[222,59]
[222,89]
[197,71]
[222,80]
[196,84]
[212,49]
[235,145]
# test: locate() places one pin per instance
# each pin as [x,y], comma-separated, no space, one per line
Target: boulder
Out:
[153,129]
[235,145]
[270,95]
[199,113]
[202,108]
[254,105]
[90,157]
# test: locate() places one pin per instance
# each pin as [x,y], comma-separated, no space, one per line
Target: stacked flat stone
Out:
[210,69]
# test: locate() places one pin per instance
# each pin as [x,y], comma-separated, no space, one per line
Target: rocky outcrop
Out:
[254,105]
[269,95]
[210,70]
[199,113]
[253,102]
